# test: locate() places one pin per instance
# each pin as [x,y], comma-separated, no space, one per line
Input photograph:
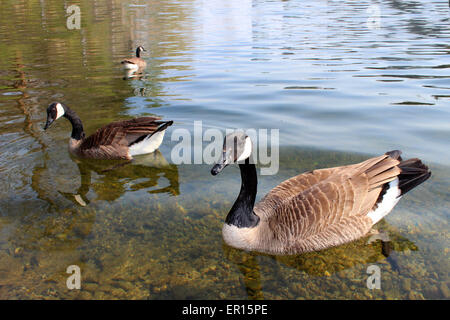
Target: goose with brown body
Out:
[117,140]
[317,209]
[136,62]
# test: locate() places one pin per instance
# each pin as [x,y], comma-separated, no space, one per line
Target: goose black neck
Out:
[138,53]
[77,126]
[241,214]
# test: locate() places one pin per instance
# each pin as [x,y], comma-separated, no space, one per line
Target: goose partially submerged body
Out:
[135,63]
[317,209]
[117,140]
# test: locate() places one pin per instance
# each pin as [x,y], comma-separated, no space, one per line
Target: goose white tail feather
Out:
[129,66]
[388,202]
[148,145]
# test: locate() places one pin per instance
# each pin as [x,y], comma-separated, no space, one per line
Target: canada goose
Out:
[317,209]
[117,140]
[136,62]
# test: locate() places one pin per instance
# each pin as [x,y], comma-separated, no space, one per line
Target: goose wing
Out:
[135,60]
[325,207]
[121,134]
[131,60]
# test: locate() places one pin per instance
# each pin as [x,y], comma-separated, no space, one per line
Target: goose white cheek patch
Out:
[59,111]
[247,150]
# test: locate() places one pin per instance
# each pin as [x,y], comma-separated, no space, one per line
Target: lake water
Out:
[341,80]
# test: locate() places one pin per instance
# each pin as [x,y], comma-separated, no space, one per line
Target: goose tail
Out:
[406,175]
[163,126]
[151,142]
[412,172]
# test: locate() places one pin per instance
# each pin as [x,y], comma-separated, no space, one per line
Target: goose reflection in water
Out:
[133,74]
[114,179]
[63,226]
[366,251]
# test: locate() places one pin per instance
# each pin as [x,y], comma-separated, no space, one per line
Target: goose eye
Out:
[52,113]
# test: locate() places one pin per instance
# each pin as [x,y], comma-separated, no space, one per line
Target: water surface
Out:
[340,88]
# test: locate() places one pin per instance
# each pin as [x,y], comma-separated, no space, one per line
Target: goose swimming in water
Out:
[317,209]
[135,63]
[117,140]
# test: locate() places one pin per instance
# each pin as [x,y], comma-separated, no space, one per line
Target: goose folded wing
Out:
[122,133]
[294,186]
[131,60]
[330,206]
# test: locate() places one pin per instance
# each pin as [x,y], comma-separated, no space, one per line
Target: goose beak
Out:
[48,123]
[217,168]
[221,164]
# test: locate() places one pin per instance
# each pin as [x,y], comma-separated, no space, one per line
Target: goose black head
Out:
[139,50]
[54,111]
[237,146]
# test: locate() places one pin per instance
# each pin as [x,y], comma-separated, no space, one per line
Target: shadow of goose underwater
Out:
[254,266]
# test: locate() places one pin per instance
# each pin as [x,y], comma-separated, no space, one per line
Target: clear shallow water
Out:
[338,90]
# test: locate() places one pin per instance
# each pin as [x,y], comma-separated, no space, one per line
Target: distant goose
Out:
[135,63]
[117,140]
[317,209]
